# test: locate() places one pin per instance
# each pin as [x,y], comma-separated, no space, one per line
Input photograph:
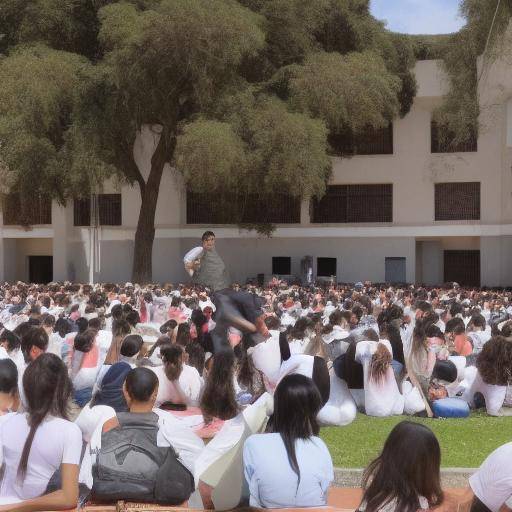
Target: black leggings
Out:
[478,506]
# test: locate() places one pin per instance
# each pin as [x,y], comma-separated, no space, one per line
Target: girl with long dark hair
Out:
[220,383]
[405,477]
[37,443]
[290,467]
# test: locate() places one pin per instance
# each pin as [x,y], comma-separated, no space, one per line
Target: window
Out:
[40,211]
[233,209]
[441,141]
[281,265]
[109,210]
[82,212]
[326,267]
[457,201]
[374,141]
[354,203]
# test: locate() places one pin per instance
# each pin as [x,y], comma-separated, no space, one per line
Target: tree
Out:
[241,95]
[460,111]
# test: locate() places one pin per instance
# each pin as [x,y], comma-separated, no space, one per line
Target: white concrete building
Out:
[429,216]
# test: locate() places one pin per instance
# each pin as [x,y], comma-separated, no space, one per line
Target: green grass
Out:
[465,443]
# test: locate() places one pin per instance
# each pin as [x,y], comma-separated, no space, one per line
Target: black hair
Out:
[445,370]
[13,341]
[218,398]
[196,356]
[8,376]
[206,235]
[62,327]
[95,323]
[168,326]
[141,384]
[84,341]
[47,391]
[417,474]
[296,405]
[131,345]
[82,324]
[172,357]
[34,337]
[455,326]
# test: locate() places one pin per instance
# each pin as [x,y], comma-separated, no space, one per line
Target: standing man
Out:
[238,308]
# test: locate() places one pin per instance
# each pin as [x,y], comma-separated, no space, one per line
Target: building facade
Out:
[399,207]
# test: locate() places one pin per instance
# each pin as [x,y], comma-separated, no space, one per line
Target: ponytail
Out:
[380,363]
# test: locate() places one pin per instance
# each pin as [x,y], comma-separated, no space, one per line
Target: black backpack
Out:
[131,467]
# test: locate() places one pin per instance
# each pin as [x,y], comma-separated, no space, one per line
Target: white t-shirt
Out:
[492,483]
[57,441]
[185,390]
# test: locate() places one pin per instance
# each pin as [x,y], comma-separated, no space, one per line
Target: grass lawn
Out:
[465,443]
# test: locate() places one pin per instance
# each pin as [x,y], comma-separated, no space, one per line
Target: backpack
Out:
[131,467]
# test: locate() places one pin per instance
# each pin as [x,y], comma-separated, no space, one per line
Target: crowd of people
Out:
[108,392]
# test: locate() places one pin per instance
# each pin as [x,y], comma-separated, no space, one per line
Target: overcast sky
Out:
[419,16]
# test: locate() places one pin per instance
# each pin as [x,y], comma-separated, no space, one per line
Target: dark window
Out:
[326,267]
[40,211]
[463,267]
[354,203]
[442,140]
[457,201]
[233,209]
[109,210]
[281,265]
[373,141]
[82,212]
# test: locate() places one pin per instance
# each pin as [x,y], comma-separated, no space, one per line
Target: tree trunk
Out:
[145,233]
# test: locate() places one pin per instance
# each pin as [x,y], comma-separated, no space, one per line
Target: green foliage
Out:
[349,91]
[460,111]
[35,113]
[429,47]
[260,148]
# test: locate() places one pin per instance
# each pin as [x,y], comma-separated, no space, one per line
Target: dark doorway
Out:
[395,270]
[40,269]
[463,267]
[326,267]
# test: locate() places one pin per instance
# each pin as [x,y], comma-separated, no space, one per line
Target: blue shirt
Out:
[273,483]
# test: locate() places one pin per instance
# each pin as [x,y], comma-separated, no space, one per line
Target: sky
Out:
[418,16]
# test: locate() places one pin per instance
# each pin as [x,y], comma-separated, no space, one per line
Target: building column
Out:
[61,220]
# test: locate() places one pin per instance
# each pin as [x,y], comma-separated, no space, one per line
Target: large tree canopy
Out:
[241,95]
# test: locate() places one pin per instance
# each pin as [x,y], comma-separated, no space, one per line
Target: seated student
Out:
[178,382]
[85,365]
[11,343]
[140,392]
[455,335]
[57,339]
[290,467]
[491,485]
[381,394]
[37,443]
[492,377]
[412,485]
[130,349]
[9,396]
